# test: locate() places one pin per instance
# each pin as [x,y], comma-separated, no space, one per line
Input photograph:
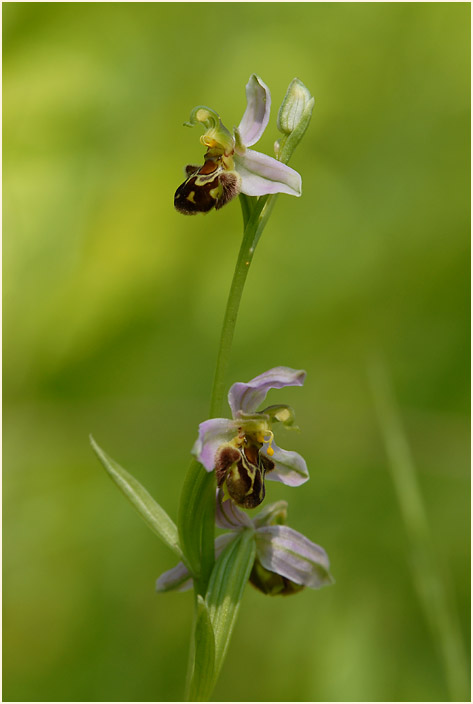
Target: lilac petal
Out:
[290,468]
[261,174]
[228,516]
[247,397]
[283,550]
[178,578]
[256,117]
[212,434]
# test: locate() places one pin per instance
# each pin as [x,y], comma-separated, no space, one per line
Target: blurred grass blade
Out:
[204,665]
[150,511]
[428,575]
[227,582]
[195,514]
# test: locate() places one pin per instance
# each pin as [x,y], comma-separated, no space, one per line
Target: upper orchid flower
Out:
[286,561]
[242,450]
[230,167]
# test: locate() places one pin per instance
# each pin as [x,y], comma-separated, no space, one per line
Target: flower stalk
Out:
[257,218]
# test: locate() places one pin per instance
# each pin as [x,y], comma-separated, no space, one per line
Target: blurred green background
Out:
[112,308]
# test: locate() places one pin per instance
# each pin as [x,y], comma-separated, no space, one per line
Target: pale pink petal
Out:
[228,516]
[290,468]
[283,550]
[177,579]
[256,117]
[247,397]
[212,434]
[262,175]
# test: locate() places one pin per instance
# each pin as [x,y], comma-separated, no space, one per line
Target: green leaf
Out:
[150,511]
[246,207]
[227,582]
[204,664]
[196,511]
[208,536]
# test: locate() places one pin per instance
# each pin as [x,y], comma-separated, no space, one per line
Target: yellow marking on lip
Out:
[191,197]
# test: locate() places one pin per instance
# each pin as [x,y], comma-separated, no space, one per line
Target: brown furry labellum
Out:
[206,187]
[242,471]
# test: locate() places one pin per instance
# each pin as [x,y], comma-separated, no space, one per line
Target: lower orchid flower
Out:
[229,166]
[286,561]
[242,451]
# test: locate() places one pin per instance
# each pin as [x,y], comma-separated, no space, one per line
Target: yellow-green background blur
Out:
[112,308]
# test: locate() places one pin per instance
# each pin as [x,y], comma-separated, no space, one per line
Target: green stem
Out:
[255,224]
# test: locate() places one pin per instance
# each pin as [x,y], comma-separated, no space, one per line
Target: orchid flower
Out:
[229,166]
[286,561]
[242,451]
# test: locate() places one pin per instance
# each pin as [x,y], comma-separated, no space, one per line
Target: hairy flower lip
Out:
[244,398]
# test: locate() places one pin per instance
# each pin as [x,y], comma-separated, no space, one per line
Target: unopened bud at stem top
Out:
[293,118]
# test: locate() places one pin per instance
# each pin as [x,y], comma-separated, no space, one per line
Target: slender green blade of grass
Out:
[427,573]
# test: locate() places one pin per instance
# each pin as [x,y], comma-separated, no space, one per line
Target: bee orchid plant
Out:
[233,457]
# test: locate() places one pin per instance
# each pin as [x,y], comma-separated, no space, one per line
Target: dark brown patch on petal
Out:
[191,198]
[206,187]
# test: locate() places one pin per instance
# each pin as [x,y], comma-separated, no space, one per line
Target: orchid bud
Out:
[293,118]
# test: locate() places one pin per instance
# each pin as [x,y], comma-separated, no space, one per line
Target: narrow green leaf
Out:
[204,664]
[227,582]
[193,507]
[150,511]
